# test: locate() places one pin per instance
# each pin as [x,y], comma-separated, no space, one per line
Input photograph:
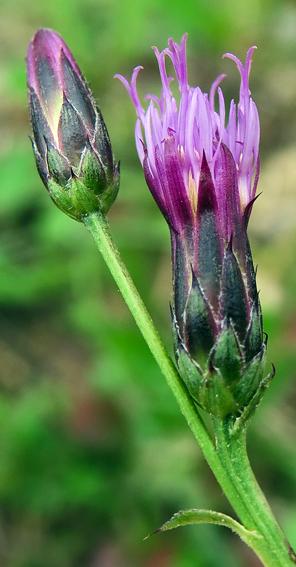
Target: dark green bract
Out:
[224,374]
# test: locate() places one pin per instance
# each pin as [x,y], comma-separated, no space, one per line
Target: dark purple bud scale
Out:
[71,144]
[233,294]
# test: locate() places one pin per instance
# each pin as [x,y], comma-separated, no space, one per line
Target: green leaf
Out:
[197,516]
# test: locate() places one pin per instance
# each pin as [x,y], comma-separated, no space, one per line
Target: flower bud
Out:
[201,165]
[70,140]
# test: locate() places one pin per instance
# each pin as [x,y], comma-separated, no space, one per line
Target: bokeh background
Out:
[93,451]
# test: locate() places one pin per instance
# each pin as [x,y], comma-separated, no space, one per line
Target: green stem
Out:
[255,512]
[238,487]
[99,229]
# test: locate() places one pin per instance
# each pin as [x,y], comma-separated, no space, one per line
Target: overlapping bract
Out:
[202,169]
[70,139]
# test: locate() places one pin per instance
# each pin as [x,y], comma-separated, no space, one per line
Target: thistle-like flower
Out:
[202,169]
[70,139]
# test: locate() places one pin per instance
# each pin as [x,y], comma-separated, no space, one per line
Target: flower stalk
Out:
[226,454]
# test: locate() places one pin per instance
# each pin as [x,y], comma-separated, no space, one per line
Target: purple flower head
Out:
[183,141]
[70,140]
[201,164]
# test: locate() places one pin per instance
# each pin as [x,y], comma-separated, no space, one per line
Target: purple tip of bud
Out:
[56,86]
[44,53]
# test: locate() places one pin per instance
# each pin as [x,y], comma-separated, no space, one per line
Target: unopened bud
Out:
[70,140]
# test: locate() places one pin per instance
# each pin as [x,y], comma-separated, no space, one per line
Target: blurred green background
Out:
[93,451]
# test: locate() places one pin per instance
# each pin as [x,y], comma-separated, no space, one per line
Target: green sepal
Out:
[84,200]
[217,396]
[110,193]
[197,517]
[190,373]
[254,338]
[251,379]
[241,421]
[77,200]
[227,354]
[58,165]
[92,172]
[62,197]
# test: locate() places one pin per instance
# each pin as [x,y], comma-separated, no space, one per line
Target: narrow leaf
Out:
[196,516]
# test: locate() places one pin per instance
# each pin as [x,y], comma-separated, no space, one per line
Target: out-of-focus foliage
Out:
[94,454]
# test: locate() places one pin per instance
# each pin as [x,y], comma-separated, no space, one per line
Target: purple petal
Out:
[132,88]
[197,129]
[227,192]
[179,197]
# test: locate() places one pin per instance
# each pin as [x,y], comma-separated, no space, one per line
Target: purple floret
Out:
[201,163]
[174,134]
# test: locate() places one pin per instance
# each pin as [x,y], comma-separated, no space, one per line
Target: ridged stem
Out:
[255,512]
[227,459]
